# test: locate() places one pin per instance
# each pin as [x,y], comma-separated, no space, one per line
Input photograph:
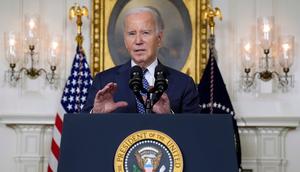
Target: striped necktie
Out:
[140,106]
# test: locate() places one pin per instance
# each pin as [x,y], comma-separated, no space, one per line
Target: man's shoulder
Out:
[111,71]
[177,74]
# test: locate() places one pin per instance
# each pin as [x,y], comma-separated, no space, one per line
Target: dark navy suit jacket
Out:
[181,91]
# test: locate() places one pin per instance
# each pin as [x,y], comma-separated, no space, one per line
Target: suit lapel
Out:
[169,78]
[123,91]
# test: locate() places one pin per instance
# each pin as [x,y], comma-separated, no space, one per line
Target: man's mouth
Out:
[139,50]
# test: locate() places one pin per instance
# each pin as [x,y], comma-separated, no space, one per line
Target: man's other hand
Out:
[162,105]
[104,102]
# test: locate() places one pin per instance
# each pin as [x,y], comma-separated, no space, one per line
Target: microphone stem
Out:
[149,103]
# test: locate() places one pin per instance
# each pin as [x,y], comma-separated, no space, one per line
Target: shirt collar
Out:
[151,67]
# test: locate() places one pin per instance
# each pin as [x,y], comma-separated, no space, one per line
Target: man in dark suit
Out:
[110,92]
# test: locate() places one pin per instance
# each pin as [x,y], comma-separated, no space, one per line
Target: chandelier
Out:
[23,53]
[275,57]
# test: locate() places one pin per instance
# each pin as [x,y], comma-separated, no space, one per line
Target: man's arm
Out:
[190,102]
[92,93]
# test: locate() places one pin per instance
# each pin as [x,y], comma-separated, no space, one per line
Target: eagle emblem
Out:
[148,159]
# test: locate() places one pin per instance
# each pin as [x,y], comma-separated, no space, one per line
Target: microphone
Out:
[136,79]
[136,82]
[161,83]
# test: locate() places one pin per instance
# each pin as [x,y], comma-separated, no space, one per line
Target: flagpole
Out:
[209,16]
[78,12]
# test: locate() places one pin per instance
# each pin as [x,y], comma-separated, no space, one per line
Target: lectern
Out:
[137,143]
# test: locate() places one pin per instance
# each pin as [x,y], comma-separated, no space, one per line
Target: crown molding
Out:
[269,121]
[27,119]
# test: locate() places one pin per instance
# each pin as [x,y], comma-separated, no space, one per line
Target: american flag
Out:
[73,98]
[214,98]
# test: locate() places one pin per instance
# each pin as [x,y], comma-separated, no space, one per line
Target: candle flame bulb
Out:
[31,24]
[266,28]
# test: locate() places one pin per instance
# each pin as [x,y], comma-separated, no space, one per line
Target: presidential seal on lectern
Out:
[148,151]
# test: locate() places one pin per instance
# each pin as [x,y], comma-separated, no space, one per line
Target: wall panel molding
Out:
[33,135]
[263,142]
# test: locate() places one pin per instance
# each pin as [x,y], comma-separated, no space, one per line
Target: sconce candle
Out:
[53,53]
[31,27]
[53,49]
[286,51]
[285,48]
[265,29]
[247,53]
[12,48]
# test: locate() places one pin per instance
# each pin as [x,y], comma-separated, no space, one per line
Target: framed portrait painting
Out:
[184,44]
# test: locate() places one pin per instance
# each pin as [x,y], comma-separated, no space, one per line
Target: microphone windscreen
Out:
[159,71]
[136,70]
[135,81]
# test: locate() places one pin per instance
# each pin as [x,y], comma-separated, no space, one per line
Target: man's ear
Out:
[159,37]
[125,43]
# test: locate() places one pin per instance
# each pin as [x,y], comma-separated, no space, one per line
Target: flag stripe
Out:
[58,123]
[56,135]
[49,169]
[53,163]
[55,149]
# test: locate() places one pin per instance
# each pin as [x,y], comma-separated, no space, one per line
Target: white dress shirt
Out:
[150,74]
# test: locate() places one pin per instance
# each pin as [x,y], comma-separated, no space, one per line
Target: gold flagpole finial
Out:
[209,15]
[77,11]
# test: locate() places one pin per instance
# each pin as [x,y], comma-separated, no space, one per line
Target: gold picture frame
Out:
[197,56]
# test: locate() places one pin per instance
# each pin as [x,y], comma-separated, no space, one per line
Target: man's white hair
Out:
[157,17]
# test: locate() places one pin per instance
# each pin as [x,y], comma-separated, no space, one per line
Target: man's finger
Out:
[164,97]
[113,88]
[121,104]
[104,90]
[144,98]
[108,87]
[99,94]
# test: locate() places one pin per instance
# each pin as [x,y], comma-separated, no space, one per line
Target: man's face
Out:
[141,38]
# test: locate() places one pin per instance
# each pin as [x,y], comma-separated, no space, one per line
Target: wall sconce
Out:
[26,53]
[268,68]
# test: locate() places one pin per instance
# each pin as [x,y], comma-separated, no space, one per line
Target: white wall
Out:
[239,18]
[8,148]
[34,97]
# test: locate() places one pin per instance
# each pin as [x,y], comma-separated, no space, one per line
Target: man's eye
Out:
[131,33]
[146,33]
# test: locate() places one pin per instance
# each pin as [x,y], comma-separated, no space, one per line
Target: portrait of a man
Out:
[176,42]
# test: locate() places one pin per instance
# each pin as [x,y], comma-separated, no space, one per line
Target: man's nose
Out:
[139,39]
